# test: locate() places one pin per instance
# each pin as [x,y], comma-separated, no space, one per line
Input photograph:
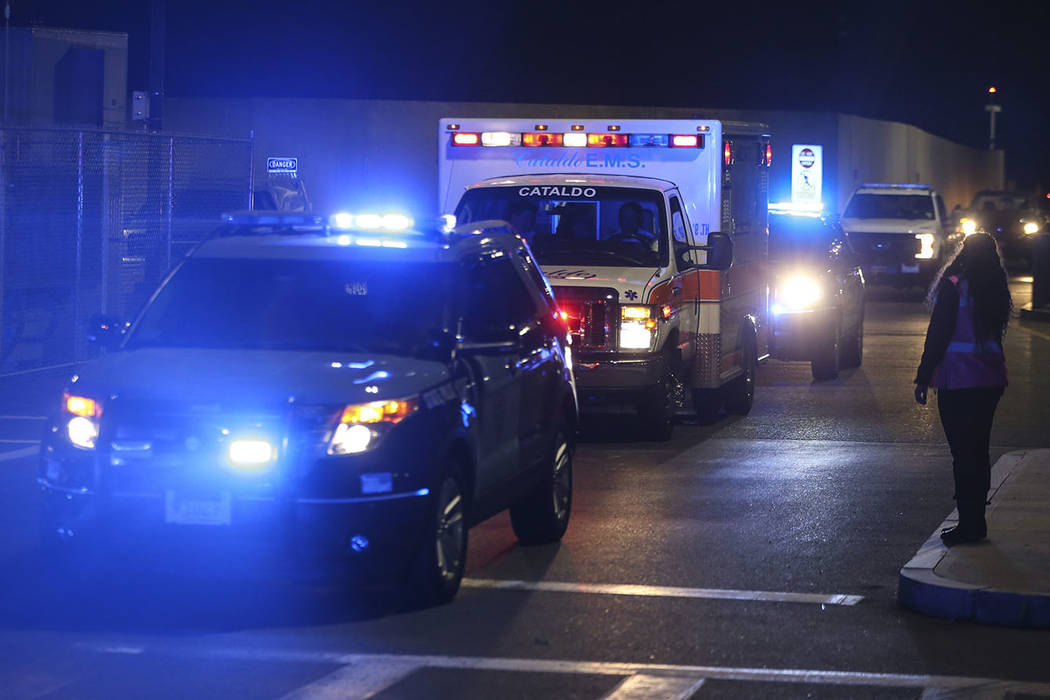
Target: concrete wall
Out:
[878,151]
[377,154]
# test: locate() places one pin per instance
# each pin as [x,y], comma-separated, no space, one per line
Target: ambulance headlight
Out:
[968,227]
[1031,228]
[637,327]
[798,293]
[362,426]
[926,241]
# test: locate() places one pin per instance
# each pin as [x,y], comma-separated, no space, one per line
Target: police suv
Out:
[347,396]
[653,233]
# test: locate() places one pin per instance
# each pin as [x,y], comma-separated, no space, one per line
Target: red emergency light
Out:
[545,138]
[466,138]
[769,154]
[727,153]
[686,141]
[604,140]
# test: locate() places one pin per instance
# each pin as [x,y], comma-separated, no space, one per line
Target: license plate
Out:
[197,509]
[910,268]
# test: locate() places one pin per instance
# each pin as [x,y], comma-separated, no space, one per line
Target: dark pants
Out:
[966,415]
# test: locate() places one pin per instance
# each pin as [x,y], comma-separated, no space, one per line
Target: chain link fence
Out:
[91,221]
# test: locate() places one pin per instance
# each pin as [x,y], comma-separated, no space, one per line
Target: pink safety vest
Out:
[970,362]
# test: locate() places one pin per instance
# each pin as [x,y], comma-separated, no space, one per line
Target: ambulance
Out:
[653,235]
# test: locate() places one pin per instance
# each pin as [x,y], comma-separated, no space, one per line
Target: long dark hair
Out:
[978,261]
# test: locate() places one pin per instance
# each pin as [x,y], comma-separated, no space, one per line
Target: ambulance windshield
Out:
[577,224]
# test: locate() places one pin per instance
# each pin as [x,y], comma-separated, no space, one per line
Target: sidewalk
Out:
[1005,579]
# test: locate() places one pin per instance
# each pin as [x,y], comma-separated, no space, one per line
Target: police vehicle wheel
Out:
[438,568]
[825,364]
[708,405]
[740,393]
[542,516]
[853,347]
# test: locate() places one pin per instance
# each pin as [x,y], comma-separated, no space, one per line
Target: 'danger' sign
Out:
[806,173]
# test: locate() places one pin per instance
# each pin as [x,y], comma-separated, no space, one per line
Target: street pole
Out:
[992,110]
[7,50]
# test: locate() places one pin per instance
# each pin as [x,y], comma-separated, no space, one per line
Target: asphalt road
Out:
[757,557]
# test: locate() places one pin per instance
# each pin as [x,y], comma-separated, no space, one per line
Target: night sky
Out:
[928,64]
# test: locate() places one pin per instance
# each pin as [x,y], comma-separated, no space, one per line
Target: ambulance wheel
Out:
[740,393]
[438,566]
[853,347]
[708,405]
[825,363]
[542,516]
[657,412]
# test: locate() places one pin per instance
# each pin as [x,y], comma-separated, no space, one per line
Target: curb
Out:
[1029,313]
[920,589]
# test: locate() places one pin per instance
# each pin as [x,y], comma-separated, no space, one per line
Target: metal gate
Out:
[91,221]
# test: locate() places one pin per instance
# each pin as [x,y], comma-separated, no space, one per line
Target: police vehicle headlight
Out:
[637,327]
[1031,228]
[362,426]
[250,454]
[798,293]
[968,227]
[926,241]
[83,416]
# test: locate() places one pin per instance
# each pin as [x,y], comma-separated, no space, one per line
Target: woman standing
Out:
[963,359]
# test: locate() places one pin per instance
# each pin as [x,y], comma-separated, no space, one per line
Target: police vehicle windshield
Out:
[890,206]
[318,305]
[794,237]
[577,224]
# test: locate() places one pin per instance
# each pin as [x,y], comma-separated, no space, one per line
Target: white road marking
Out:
[38,369]
[23,417]
[484,663]
[664,591]
[18,454]
[642,686]
[5,441]
[353,682]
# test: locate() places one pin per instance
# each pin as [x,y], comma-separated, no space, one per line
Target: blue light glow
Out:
[648,140]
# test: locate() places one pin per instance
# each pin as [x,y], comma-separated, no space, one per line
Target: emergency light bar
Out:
[254,218]
[575,139]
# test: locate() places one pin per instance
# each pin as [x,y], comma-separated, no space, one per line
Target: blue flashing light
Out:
[342,220]
[810,209]
[255,218]
[423,492]
[390,223]
[896,185]
[643,140]
[448,223]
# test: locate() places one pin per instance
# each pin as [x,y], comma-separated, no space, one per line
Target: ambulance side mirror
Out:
[719,251]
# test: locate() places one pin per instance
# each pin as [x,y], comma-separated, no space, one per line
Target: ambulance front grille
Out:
[591,315]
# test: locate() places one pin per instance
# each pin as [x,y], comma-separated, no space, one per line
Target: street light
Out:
[992,110]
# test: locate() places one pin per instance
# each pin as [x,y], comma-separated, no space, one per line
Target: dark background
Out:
[927,64]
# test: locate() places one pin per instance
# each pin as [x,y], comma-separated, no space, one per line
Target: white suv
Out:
[900,232]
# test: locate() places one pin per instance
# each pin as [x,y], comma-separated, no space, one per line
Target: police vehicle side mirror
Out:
[719,251]
[106,331]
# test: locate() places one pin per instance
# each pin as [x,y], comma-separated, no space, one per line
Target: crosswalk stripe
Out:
[353,682]
[664,591]
[645,686]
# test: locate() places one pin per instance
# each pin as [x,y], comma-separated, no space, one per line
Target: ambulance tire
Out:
[708,405]
[740,393]
[657,411]
[825,363]
[542,515]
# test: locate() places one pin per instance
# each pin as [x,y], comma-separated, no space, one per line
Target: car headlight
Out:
[251,453]
[362,426]
[82,422]
[968,227]
[1030,228]
[637,327]
[798,293]
[926,251]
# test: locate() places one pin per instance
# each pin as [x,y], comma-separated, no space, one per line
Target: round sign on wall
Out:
[806,158]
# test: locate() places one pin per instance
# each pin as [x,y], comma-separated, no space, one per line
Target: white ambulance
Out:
[653,235]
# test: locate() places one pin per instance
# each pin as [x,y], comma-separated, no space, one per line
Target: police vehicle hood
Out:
[262,377]
[903,226]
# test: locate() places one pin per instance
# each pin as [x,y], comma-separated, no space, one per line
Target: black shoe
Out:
[959,535]
[982,531]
